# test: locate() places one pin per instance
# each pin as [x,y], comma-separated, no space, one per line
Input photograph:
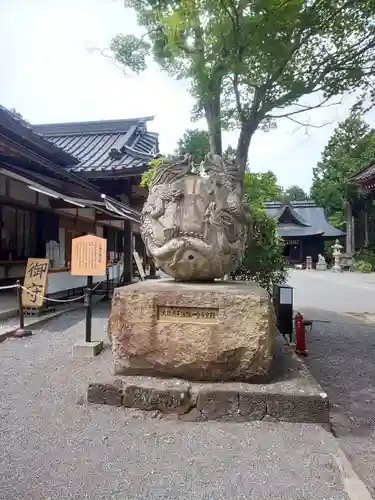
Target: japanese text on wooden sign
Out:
[35,282]
[89,256]
[187,314]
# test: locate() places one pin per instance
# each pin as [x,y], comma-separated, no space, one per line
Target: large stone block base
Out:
[222,331]
[292,396]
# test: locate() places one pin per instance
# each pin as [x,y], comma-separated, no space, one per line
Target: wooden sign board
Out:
[35,282]
[139,265]
[89,256]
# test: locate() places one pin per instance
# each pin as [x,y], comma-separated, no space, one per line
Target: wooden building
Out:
[112,154]
[304,229]
[44,200]
[360,216]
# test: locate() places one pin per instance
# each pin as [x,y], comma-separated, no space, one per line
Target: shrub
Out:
[366,255]
[263,261]
[362,266]
[148,176]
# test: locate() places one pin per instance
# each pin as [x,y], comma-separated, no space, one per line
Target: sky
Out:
[50,73]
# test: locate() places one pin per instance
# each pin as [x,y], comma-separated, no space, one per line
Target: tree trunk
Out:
[242,152]
[212,110]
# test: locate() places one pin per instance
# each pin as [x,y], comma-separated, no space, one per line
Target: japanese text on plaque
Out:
[35,282]
[188,314]
[89,255]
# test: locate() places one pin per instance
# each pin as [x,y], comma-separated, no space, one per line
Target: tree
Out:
[263,261]
[351,147]
[294,193]
[261,187]
[195,142]
[258,187]
[246,59]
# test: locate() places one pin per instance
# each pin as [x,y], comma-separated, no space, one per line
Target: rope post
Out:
[88,304]
[107,284]
[21,331]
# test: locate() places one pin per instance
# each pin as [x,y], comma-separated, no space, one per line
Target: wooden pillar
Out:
[353,234]
[366,210]
[367,239]
[128,252]
[349,229]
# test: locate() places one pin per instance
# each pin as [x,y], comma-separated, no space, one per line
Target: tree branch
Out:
[102,52]
[304,108]
[334,64]
[308,125]
[331,65]
[299,42]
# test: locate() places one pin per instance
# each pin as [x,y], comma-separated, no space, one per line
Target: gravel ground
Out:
[342,359]
[53,448]
[342,356]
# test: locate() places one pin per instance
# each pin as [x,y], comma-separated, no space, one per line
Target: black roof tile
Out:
[366,174]
[107,145]
[16,128]
[312,219]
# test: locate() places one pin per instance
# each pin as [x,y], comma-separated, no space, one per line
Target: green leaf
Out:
[350,148]
[251,62]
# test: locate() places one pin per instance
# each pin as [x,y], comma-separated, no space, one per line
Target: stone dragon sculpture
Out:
[196,227]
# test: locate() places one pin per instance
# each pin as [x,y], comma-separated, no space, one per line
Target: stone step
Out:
[292,396]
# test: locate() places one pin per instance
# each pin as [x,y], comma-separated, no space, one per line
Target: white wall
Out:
[119,224]
[44,201]
[86,213]
[135,227]
[19,191]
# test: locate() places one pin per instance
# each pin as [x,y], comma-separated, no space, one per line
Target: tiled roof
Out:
[287,207]
[15,128]
[290,230]
[107,145]
[364,175]
[309,213]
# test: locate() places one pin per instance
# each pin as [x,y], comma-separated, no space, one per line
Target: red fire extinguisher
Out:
[300,335]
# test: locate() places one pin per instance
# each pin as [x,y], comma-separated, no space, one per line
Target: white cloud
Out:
[49,75]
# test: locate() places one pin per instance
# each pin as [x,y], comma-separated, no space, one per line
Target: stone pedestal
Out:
[321,266]
[222,331]
[87,349]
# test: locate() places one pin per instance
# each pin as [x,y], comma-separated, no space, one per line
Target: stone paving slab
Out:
[293,396]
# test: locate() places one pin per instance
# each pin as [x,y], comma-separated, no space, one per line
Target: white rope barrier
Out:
[58,300]
[22,331]
[7,287]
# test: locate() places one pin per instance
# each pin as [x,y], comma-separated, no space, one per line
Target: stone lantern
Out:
[337,257]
